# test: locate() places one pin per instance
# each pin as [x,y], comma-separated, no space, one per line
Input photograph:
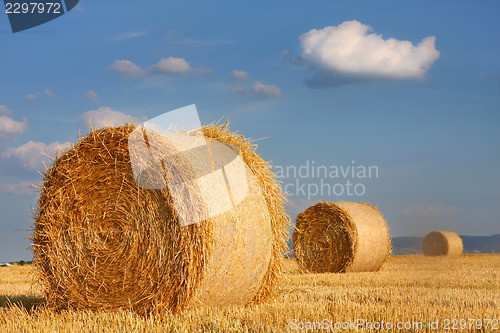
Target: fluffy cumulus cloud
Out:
[9,127]
[92,96]
[171,65]
[437,210]
[106,116]
[351,52]
[259,90]
[167,66]
[239,75]
[127,69]
[32,154]
[265,90]
[5,110]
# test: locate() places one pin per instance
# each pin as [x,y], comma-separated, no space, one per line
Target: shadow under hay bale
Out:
[341,237]
[101,242]
[442,243]
[25,302]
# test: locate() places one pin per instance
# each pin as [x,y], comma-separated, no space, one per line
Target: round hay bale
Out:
[101,242]
[442,243]
[341,237]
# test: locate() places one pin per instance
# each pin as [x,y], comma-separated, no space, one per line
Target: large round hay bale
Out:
[102,242]
[442,243]
[341,237]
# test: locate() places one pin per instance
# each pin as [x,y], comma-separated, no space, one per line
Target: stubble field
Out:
[409,294]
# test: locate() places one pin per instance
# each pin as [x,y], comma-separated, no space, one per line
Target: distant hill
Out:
[413,245]
[407,245]
[484,244]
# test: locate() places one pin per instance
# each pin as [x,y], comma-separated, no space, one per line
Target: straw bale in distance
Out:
[442,243]
[100,242]
[341,237]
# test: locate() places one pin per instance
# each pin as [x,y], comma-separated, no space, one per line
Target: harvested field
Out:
[409,289]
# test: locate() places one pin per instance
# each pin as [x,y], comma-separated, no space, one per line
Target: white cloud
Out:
[239,90]
[22,188]
[106,116]
[5,110]
[264,90]
[259,90]
[91,96]
[173,65]
[10,127]
[32,154]
[352,50]
[32,96]
[49,93]
[127,68]
[239,75]
[438,210]
[37,95]
[170,65]
[129,35]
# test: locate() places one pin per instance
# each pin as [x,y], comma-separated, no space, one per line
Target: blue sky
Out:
[410,87]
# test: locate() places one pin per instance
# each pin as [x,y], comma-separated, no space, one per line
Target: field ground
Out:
[412,291]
